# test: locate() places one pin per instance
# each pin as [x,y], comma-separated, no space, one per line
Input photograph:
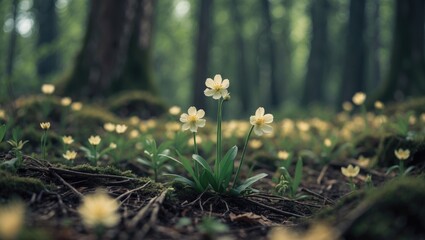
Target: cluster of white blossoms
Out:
[217,89]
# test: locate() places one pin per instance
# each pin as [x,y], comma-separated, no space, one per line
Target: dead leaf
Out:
[251,217]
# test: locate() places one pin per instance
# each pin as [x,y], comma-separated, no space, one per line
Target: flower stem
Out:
[243,156]
[219,147]
[401,167]
[195,146]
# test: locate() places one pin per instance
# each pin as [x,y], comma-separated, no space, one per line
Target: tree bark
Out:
[203,43]
[407,66]
[318,59]
[353,77]
[243,80]
[274,89]
[10,61]
[47,34]
[376,45]
[115,55]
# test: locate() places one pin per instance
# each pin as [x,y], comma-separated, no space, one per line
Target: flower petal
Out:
[217,95]
[252,120]
[259,112]
[185,126]
[258,131]
[192,111]
[200,113]
[201,123]
[267,128]
[193,128]
[268,118]
[209,92]
[183,117]
[217,79]
[209,83]
[225,83]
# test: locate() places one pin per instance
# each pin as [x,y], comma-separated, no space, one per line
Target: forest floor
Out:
[383,205]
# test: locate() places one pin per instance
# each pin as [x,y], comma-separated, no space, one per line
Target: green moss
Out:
[12,184]
[138,103]
[395,211]
[101,170]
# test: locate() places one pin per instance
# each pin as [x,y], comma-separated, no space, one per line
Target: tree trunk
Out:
[353,76]
[407,67]
[243,80]
[10,61]
[274,89]
[203,43]
[115,55]
[47,34]
[376,45]
[318,60]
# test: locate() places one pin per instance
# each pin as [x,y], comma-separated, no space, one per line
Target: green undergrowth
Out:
[393,211]
[15,185]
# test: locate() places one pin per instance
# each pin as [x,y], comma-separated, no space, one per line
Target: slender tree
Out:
[243,78]
[47,19]
[203,43]
[274,90]
[115,55]
[375,45]
[353,76]
[407,66]
[10,58]
[319,51]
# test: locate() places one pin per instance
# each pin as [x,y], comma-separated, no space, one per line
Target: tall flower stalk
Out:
[45,126]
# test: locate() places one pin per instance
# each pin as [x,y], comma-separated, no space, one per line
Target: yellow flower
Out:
[110,127]
[48,89]
[379,105]
[66,101]
[174,110]
[11,219]
[402,154]
[284,155]
[255,144]
[99,209]
[121,128]
[327,142]
[363,162]
[216,88]
[94,140]
[412,120]
[134,120]
[350,171]
[70,155]
[303,126]
[112,145]
[2,114]
[359,98]
[261,122]
[347,106]
[76,106]
[192,119]
[133,134]
[45,125]
[67,140]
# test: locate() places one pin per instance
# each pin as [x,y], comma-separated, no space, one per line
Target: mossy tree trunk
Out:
[319,52]
[353,76]
[115,55]
[407,66]
[203,43]
[48,61]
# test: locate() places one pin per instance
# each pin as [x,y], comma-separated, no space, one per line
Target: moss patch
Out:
[12,184]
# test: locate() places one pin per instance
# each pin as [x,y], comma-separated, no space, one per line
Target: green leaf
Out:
[182,179]
[3,129]
[144,162]
[202,162]
[227,166]
[298,175]
[249,182]
[392,169]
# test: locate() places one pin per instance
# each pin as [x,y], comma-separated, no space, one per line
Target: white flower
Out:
[70,155]
[94,140]
[192,119]
[216,88]
[121,128]
[48,89]
[402,154]
[99,209]
[359,98]
[350,171]
[261,121]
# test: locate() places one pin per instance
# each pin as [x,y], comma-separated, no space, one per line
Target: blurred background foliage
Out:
[280,54]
